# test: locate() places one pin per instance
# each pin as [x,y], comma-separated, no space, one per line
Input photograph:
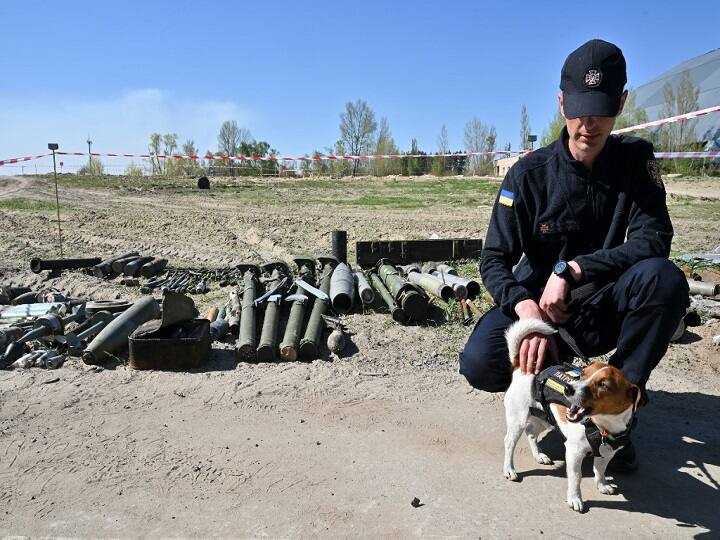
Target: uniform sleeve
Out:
[503,248]
[649,232]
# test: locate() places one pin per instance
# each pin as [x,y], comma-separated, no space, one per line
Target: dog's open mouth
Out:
[576,413]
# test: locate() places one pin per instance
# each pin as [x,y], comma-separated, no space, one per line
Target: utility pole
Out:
[53,147]
[89,143]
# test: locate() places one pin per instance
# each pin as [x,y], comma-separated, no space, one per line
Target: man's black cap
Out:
[592,80]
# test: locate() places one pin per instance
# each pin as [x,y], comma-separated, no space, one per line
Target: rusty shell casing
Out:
[267,348]
[115,335]
[293,331]
[38,265]
[105,268]
[342,289]
[703,288]
[365,291]
[118,264]
[472,286]
[310,343]
[132,269]
[432,285]
[153,267]
[246,344]
[476,313]
[397,313]
[212,314]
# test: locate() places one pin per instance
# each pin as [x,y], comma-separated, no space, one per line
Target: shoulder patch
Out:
[653,168]
[506,197]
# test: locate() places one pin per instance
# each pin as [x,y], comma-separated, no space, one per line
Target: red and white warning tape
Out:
[331,157]
[686,155]
[678,118]
[19,159]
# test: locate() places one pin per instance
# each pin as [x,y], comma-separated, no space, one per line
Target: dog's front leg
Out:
[599,466]
[574,454]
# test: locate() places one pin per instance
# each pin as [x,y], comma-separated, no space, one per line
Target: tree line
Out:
[361,134]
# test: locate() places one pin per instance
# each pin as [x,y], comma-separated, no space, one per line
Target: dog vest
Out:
[550,387]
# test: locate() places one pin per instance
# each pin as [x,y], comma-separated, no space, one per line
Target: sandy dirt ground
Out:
[334,448]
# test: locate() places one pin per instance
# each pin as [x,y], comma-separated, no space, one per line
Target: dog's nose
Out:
[569,391]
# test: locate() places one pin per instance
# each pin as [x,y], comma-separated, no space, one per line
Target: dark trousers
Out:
[636,315]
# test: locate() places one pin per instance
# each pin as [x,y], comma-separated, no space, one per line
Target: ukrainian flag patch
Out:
[506,197]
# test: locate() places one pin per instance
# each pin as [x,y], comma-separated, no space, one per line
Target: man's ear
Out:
[560,103]
[623,97]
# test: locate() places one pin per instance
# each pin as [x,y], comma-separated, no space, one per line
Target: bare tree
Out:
[687,101]
[357,127]
[154,149]
[524,127]
[443,145]
[684,99]
[161,145]
[385,145]
[230,139]
[476,140]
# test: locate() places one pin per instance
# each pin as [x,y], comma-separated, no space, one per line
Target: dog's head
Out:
[601,389]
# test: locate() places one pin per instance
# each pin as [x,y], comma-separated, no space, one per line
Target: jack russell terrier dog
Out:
[594,409]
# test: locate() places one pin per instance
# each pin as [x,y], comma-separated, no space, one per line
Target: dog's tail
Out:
[517,331]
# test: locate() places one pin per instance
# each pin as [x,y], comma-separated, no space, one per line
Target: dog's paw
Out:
[510,474]
[543,459]
[606,489]
[576,504]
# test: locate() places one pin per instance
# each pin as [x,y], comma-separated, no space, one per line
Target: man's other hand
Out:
[553,300]
[534,347]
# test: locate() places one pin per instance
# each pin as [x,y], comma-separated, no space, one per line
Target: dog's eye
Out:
[602,386]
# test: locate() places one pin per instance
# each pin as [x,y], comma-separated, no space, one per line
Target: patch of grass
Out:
[20,203]
[386,201]
[695,208]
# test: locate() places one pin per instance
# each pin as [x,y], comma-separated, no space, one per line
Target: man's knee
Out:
[484,361]
[483,374]
[659,281]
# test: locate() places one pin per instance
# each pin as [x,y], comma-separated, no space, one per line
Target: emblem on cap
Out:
[593,78]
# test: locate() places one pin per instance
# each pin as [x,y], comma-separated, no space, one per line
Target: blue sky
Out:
[121,70]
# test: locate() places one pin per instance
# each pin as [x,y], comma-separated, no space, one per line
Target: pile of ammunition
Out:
[408,290]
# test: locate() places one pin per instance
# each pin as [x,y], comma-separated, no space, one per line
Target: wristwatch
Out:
[562,269]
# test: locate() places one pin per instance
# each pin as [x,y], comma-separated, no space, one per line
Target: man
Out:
[587,214]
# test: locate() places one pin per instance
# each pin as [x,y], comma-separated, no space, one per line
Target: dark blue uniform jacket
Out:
[550,207]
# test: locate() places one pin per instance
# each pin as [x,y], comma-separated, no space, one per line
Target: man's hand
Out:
[535,346]
[553,302]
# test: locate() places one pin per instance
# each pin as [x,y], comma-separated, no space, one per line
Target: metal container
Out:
[159,348]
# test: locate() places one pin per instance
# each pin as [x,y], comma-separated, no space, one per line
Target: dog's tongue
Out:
[575,413]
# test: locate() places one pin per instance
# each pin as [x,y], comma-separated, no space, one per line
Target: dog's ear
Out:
[635,395]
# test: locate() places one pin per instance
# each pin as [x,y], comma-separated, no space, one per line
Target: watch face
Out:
[560,267]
